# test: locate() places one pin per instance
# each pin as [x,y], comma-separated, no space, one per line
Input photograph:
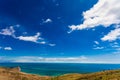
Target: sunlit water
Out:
[55,69]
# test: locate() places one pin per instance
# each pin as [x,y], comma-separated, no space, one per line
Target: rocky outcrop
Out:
[14,73]
[16,69]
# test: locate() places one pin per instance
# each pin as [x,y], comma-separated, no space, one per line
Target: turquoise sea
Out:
[55,69]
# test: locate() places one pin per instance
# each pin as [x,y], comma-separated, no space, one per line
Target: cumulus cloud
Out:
[104,12]
[112,35]
[7,48]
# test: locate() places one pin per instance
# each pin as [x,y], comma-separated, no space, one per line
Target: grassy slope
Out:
[104,75]
[13,74]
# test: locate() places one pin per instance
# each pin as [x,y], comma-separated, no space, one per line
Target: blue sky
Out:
[81,31]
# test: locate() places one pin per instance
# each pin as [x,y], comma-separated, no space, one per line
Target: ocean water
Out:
[55,69]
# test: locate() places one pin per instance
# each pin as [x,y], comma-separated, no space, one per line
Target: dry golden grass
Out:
[16,74]
[104,75]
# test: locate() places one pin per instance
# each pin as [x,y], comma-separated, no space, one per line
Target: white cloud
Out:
[43,42]
[47,20]
[112,36]
[96,42]
[104,58]
[104,12]
[11,32]
[98,48]
[8,31]
[114,45]
[7,48]
[34,38]
[51,44]
[44,59]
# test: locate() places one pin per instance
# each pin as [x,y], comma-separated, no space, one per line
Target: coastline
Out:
[14,73]
[54,69]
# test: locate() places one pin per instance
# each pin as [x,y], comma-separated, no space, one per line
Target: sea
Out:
[56,69]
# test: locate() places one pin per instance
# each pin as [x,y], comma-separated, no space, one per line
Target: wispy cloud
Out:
[112,36]
[10,31]
[52,44]
[44,59]
[115,45]
[103,58]
[98,48]
[47,20]
[96,42]
[42,42]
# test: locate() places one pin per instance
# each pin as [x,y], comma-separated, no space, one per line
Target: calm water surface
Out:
[55,69]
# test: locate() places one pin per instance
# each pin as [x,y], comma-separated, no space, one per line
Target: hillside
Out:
[16,74]
[104,75]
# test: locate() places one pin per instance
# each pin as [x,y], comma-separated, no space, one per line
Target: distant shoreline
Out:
[58,69]
[53,63]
